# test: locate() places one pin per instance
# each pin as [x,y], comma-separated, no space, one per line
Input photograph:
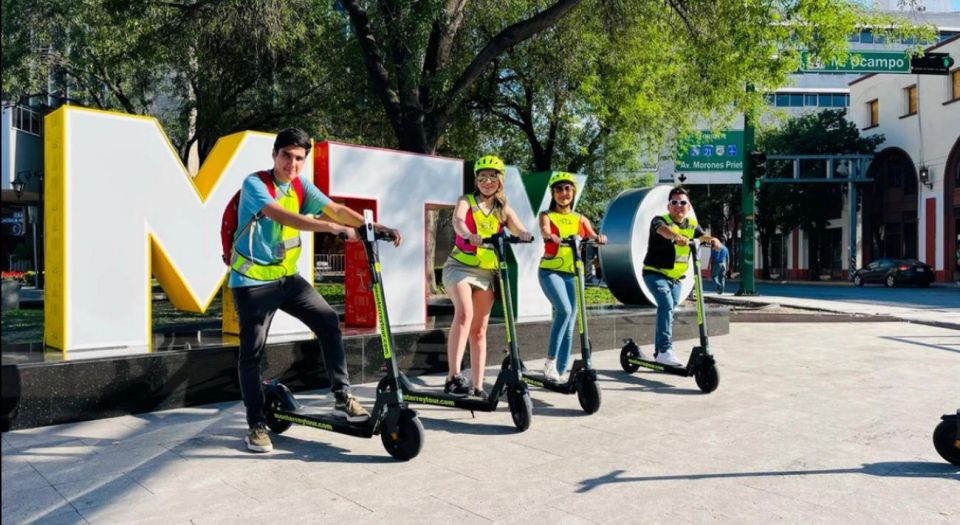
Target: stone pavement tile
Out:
[32,503]
[500,499]
[99,491]
[169,507]
[297,505]
[545,513]
[63,467]
[101,429]
[406,481]
[418,510]
[20,475]
[892,499]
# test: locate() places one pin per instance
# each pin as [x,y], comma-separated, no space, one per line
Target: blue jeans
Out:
[719,273]
[560,289]
[666,291]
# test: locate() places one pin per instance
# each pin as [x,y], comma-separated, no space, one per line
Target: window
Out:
[866,37]
[841,101]
[796,100]
[911,95]
[809,100]
[955,83]
[873,110]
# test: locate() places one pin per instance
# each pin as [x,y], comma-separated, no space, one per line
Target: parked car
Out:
[893,272]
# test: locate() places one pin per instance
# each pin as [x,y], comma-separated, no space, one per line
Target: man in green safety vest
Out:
[264,278]
[665,264]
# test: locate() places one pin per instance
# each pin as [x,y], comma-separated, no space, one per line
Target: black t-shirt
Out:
[661,253]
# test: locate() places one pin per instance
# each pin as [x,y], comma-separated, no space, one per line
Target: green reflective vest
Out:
[681,257]
[560,259]
[285,262]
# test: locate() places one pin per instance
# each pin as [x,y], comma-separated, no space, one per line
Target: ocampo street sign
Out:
[859,62]
[896,62]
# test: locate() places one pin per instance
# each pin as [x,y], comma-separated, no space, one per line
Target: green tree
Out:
[785,206]
[205,68]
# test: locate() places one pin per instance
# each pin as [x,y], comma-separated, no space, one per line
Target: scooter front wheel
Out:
[629,351]
[945,441]
[270,406]
[405,443]
[521,407]
[708,379]
[588,393]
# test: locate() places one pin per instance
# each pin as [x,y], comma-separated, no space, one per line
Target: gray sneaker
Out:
[258,440]
[349,407]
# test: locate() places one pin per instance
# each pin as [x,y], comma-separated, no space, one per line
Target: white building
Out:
[913,208]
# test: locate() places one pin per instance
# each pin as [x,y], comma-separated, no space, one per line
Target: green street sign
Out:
[705,151]
[860,62]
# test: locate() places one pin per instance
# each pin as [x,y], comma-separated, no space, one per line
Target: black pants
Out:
[256,306]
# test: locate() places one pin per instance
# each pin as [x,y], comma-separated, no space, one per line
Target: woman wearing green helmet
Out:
[557,273]
[469,272]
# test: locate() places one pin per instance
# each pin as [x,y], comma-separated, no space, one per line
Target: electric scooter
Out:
[509,380]
[399,427]
[946,438]
[701,364]
[583,377]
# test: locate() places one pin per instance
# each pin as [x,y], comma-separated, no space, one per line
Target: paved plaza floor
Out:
[812,423]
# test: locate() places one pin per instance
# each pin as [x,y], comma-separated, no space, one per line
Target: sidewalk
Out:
[812,423]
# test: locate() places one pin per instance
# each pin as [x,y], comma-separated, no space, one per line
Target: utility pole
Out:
[747,207]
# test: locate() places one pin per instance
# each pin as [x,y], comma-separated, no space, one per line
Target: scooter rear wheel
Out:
[945,441]
[406,443]
[272,404]
[521,407]
[588,393]
[629,351]
[708,379]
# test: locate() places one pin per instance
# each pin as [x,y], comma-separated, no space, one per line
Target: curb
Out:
[841,316]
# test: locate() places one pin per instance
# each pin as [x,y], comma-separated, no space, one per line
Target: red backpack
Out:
[229,223]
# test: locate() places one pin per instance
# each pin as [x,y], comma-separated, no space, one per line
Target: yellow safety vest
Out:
[484,225]
[285,262]
[681,253]
[567,224]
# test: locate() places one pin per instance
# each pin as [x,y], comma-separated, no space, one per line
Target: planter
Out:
[11,295]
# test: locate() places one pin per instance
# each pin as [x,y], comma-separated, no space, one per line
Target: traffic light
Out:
[931,64]
[758,169]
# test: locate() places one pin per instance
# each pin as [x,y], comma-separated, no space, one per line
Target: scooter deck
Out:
[659,367]
[425,396]
[539,380]
[324,419]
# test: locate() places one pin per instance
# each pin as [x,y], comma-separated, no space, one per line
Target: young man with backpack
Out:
[272,209]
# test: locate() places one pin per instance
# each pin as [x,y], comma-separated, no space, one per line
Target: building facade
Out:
[913,207]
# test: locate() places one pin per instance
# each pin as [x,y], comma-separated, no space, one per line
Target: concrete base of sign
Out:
[40,389]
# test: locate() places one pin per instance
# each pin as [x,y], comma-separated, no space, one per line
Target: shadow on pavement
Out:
[912,340]
[893,469]
[650,385]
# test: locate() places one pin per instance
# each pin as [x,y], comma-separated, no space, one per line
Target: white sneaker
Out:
[563,378]
[667,358]
[550,370]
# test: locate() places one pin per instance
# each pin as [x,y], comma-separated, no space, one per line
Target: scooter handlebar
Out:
[361,234]
[508,238]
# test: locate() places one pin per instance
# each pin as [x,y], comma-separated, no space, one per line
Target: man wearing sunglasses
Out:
[665,264]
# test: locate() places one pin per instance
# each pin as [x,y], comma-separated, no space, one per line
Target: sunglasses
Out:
[678,203]
[488,178]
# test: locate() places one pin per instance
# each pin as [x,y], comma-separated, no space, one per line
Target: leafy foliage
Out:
[784,207]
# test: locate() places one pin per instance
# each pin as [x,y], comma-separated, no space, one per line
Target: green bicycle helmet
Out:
[489,162]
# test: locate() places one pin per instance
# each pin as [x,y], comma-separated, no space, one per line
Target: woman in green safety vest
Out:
[557,273]
[665,264]
[469,272]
